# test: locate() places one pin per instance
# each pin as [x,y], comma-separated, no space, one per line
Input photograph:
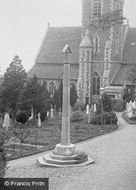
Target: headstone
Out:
[55,110]
[87,109]
[32,115]
[95,108]
[52,112]
[6,123]
[39,120]
[48,113]
[130,109]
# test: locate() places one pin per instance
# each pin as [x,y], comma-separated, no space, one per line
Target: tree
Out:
[106,104]
[12,86]
[73,95]
[4,138]
[58,96]
[35,96]
[128,94]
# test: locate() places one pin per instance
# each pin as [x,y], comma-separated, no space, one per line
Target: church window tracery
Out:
[96,84]
[96,44]
[52,88]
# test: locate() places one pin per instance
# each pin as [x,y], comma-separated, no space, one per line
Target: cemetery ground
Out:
[114,169]
[48,135]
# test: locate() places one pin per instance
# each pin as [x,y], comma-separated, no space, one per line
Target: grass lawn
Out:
[48,135]
[128,120]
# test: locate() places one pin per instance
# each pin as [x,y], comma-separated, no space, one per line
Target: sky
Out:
[23,24]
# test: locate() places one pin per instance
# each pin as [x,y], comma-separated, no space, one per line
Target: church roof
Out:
[49,62]
[129,51]
[120,77]
[54,42]
[52,72]
[128,57]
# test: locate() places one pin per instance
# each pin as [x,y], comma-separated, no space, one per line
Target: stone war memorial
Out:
[65,153]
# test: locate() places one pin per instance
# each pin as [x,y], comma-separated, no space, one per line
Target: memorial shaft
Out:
[65,133]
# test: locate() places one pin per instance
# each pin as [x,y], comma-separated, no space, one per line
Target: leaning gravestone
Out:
[6,123]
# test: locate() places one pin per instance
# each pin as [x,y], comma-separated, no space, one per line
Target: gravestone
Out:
[87,109]
[6,123]
[52,112]
[39,120]
[95,109]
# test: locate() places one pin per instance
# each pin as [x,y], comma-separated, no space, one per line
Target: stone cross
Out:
[6,123]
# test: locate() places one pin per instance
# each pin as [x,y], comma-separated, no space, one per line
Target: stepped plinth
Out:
[64,156]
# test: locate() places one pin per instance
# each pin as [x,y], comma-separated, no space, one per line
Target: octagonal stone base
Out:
[64,156]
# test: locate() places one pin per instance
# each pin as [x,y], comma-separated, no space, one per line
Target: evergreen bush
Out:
[22,117]
[118,105]
[77,116]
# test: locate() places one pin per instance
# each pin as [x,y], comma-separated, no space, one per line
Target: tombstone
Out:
[52,112]
[95,109]
[87,109]
[32,115]
[130,109]
[89,116]
[6,123]
[48,113]
[134,105]
[55,110]
[39,120]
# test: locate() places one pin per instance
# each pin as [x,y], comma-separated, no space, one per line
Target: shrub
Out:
[22,117]
[79,106]
[4,137]
[118,105]
[77,127]
[106,102]
[77,116]
[108,118]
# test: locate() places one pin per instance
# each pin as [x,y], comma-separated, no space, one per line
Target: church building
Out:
[103,49]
